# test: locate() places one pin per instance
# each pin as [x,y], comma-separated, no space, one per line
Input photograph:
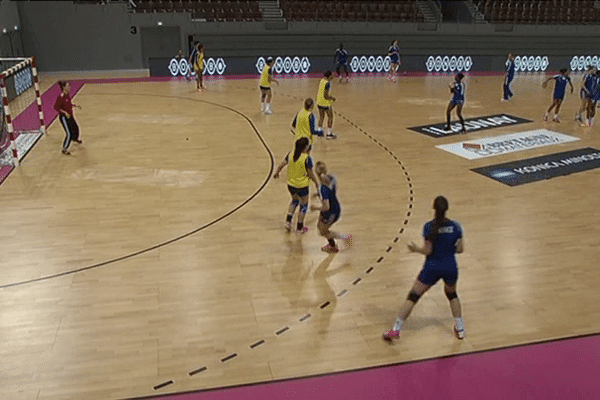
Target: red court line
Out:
[566,369]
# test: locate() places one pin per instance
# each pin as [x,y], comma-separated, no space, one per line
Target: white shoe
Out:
[460,334]
[288,226]
[268,111]
[331,136]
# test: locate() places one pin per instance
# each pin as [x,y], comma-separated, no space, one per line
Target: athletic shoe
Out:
[585,125]
[503,100]
[555,119]
[347,240]
[78,141]
[330,249]
[331,136]
[268,112]
[66,152]
[460,334]
[288,226]
[390,336]
[546,117]
[303,230]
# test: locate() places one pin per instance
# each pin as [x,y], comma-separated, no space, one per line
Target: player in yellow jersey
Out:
[304,123]
[197,60]
[266,78]
[324,100]
[299,174]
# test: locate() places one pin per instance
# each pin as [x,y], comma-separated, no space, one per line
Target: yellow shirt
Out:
[199,65]
[321,100]
[264,77]
[297,176]
[303,126]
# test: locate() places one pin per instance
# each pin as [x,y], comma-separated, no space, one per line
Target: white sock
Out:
[262,106]
[268,107]
[329,131]
[460,324]
[398,325]
[555,116]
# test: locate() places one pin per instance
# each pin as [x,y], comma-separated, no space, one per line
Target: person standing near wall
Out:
[394,54]
[266,78]
[341,61]
[510,75]
[64,107]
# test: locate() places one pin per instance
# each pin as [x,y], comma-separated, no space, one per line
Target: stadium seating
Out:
[563,12]
[293,10]
[377,11]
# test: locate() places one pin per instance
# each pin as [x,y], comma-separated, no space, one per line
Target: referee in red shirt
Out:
[64,107]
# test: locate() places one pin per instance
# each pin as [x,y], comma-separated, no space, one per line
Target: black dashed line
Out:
[388,249]
[396,240]
[410,205]
[307,316]
[279,332]
[229,357]
[405,222]
[343,292]
[253,345]
[162,385]
[411,199]
[322,306]
[356,281]
[368,271]
[197,371]
[402,230]
[408,214]
[380,259]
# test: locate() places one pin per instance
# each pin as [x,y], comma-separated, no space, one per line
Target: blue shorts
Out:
[395,60]
[328,218]
[457,101]
[430,276]
[302,192]
[559,97]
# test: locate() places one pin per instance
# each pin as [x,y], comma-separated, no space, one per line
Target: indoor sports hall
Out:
[148,257]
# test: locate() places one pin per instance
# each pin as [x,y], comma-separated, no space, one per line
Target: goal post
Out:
[22,116]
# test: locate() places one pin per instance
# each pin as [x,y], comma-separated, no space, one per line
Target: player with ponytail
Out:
[443,238]
[299,174]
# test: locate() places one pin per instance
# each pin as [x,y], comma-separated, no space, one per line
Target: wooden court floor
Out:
[160,161]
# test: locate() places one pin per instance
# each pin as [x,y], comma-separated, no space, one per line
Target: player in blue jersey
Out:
[330,209]
[591,88]
[560,87]
[508,78]
[394,54]
[457,88]
[590,70]
[443,239]
[341,61]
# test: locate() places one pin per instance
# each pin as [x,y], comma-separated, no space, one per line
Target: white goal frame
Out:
[21,63]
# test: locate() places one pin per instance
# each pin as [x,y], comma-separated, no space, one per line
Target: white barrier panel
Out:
[286,65]
[370,63]
[580,63]
[531,63]
[181,67]
[449,63]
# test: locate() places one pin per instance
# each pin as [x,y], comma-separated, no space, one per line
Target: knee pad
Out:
[303,208]
[295,202]
[451,295]
[412,296]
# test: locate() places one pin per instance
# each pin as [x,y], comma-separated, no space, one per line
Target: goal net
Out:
[21,115]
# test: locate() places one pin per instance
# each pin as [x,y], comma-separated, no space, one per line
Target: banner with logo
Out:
[493,146]
[471,124]
[545,167]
